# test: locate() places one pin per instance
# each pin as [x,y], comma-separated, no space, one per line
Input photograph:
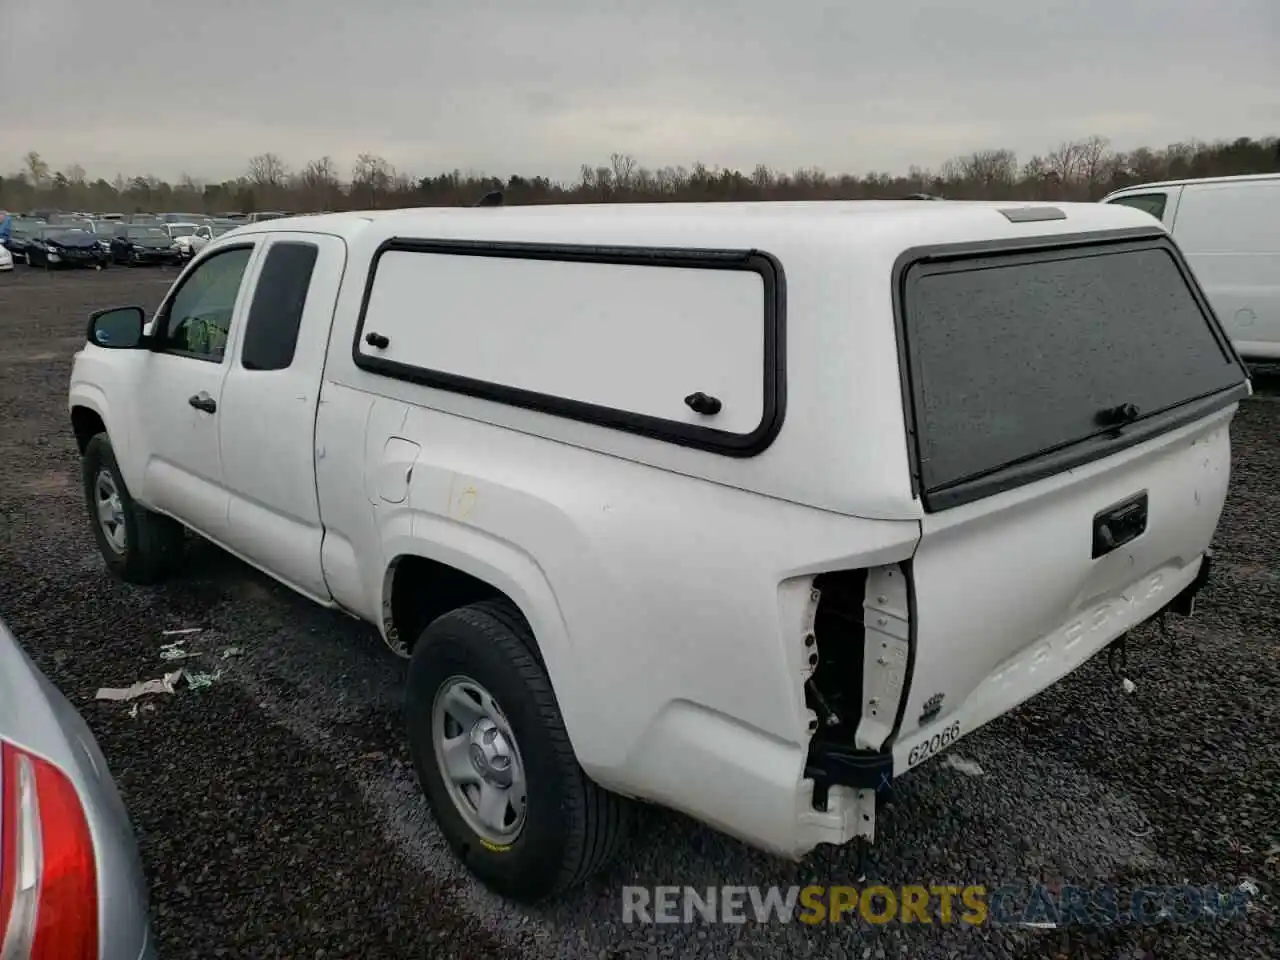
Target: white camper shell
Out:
[1229,230]
[742,509]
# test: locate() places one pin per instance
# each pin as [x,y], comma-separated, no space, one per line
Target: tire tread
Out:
[599,820]
[155,549]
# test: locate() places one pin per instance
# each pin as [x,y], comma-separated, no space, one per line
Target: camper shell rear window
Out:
[1023,362]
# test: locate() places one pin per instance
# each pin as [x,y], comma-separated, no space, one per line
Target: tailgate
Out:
[1069,415]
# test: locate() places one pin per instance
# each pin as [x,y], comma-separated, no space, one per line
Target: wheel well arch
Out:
[417,590]
[86,423]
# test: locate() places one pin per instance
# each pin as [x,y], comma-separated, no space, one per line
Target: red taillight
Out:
[48,878]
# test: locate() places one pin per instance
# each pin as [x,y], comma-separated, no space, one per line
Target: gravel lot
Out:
[278,815]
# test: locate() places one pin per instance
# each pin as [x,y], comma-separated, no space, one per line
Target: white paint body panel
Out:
[1229,230]
[669,588]
[654,334]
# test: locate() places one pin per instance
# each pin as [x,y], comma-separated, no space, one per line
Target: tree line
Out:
[1075,170]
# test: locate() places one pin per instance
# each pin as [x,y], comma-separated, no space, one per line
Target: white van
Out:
[1229,230]
[742,509]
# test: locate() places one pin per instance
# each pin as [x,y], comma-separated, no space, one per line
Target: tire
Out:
[571,827]
[151,546]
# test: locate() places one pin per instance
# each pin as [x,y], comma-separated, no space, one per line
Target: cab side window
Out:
[197,318]
[1152,203]
[271,332]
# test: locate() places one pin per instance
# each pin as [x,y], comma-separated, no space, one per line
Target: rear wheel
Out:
[139,546]
[492,755]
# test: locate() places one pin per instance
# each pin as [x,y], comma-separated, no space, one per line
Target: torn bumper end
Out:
[839,764]
[833,763]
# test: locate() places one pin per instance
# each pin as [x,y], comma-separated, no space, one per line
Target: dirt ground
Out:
[278,816]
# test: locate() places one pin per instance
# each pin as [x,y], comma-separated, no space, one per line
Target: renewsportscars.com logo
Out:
[944,904]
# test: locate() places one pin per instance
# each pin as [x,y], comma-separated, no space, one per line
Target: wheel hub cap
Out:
[490,753]
[110,510]
[479,760]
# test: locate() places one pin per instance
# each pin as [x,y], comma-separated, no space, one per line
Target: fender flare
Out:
[506,568]
[92,397]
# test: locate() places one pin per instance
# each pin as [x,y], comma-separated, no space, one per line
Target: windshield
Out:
[62,232]
[152,232]
[181,231]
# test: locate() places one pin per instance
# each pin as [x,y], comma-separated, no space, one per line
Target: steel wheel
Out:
[110,510]
[479,760]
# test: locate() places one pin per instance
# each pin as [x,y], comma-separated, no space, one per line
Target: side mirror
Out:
[117,328]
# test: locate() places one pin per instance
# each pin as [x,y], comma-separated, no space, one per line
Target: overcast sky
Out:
[541,86]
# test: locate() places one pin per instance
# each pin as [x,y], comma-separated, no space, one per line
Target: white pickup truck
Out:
[741,509]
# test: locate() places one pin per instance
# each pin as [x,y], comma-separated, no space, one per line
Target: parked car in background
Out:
[646,551]
[189,236]
[1229,231]
[6,259]
[180,217]
[203,233]
[176,228]
[266,215]
[104,230]
[65,246]
[23,230]
[139,243]
[71,881]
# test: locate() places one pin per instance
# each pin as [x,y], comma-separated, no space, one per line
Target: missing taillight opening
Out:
[861,638]
[835,689]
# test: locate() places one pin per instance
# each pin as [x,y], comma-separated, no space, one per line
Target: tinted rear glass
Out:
[1152,203]
[1017,355]
[271,335]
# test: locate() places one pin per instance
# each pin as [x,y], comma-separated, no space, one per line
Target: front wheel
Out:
[138,546]
[492,755]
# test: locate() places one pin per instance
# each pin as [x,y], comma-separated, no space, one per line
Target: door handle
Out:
[202,401]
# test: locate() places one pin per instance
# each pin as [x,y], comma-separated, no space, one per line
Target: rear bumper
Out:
[1017,680]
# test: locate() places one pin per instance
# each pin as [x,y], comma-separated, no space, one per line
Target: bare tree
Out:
[623,167]
[372,178]
[75,175]
[266,170]
[37,169]
[992,170]
[319,181]
[1096,163]
[1064,161]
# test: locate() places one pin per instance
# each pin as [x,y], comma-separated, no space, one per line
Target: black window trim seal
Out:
[675,432]
[1046,463]
[271,247]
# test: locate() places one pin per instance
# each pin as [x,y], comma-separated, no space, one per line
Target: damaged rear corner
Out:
[858,656]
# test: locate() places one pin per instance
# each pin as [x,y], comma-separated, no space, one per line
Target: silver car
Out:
[71,882]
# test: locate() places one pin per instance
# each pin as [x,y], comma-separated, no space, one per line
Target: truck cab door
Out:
[267,421]
[180,394]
